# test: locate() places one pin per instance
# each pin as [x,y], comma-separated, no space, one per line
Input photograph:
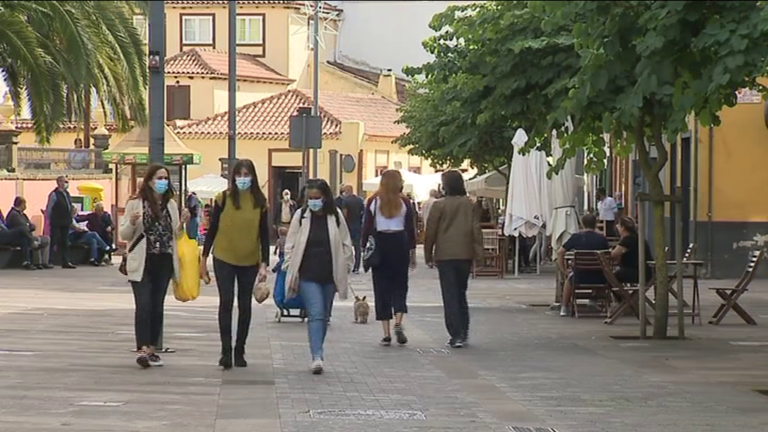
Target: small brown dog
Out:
[362,310]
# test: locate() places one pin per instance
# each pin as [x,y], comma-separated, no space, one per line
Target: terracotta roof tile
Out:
[297,4]
[376,112]
[372,77]
[264,119]
[215,63]
[270,118]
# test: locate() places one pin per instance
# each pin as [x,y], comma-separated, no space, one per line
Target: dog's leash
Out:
[352,290]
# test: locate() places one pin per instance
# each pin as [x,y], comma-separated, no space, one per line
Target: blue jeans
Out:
[94,243]
[318,300]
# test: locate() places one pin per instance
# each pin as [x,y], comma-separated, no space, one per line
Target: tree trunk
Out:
[661,316]
[87,119]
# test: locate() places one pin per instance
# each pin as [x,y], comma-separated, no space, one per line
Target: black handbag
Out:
[123,269]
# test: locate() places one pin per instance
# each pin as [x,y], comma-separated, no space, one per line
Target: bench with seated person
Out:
[14,246]
[17,219]
[80,237]
[587,240]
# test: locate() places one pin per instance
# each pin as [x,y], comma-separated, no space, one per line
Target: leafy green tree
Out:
[53,53]
[645,67]
[495,69]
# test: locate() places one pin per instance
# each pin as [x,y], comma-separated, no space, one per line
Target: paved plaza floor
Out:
[66,365]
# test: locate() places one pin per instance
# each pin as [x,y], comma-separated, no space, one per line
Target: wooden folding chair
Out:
[588,261]
[492,265]
[627,295]
[687,256]
[731,296]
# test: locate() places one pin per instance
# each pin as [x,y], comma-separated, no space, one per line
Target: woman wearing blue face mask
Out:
[238,237]
[318,258]
[151,226]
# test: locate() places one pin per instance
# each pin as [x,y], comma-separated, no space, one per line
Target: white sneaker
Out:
[565,312]
[317,367]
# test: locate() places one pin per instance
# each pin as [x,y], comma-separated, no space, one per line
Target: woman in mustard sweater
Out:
[239,237]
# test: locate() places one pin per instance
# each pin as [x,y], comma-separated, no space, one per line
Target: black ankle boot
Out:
[240,357]
[226,358]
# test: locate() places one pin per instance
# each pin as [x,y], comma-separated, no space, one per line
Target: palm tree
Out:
[69,49]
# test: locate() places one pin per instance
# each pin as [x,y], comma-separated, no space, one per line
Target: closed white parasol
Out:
[563,221]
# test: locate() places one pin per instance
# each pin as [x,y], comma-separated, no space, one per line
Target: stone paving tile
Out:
[525,367]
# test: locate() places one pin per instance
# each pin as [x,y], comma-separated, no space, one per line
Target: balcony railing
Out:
[60,160]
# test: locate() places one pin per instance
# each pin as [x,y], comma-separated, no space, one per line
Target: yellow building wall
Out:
[351,141]
[201,95]
[276,19]
[286,41]
[64,140]
[247,92]
[740,149]
[333,80]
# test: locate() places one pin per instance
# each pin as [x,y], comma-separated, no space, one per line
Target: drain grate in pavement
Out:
[247,382]
[347,414]
[431,351]
[529,429]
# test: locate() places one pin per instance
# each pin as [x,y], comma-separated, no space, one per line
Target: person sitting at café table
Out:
[587,240]
[627,253]
[41,245]
[101,223]
[96,246]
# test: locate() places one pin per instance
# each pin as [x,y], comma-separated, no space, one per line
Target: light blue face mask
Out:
[315,205]
[243,183]
[160,186]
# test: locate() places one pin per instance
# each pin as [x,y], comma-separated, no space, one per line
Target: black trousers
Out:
[60,241]
[149,296]
[226,276]
[390,277]
[454,280]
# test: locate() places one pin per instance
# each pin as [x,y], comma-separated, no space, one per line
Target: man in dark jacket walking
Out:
[59,215]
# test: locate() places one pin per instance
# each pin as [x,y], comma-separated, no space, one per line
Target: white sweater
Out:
[129,233]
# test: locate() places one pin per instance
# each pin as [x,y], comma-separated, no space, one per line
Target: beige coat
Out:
[129,233]
[342,252]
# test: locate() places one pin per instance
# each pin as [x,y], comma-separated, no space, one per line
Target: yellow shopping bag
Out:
[186,286]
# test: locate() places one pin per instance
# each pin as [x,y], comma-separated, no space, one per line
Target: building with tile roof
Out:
[197,84]
[362,126]
[373,78]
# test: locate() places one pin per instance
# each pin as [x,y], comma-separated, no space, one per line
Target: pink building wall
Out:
[36,192]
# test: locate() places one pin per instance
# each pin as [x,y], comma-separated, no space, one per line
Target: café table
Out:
[695,266]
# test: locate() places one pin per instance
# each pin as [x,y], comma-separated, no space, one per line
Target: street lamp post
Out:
[156,64]
[232,81]
[316,77]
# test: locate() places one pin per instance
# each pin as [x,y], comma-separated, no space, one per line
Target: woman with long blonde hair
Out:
[389,236]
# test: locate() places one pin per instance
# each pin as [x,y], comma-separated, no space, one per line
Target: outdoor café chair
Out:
[731,296]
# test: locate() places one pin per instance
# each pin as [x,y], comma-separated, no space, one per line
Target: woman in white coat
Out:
[150,227]
[318,259]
